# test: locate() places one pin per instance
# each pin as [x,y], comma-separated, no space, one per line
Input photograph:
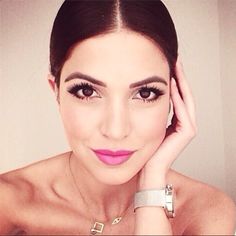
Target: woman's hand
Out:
[181,131]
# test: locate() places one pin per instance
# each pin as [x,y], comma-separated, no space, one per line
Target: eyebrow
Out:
[79,75]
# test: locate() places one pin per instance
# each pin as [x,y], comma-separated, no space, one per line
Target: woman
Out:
[115,72]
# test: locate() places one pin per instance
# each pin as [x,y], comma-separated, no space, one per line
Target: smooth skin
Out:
[42,198]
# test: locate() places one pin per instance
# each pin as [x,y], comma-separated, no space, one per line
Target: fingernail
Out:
[173,81]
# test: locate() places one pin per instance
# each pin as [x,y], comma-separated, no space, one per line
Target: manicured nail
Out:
[173,81]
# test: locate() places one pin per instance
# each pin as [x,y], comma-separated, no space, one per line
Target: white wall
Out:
[30,124]
[227,13]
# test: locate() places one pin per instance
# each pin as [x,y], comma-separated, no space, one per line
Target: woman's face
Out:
[117,113]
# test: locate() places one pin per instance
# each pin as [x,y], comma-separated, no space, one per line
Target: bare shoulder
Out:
[12,197]
[36,175]
[41,171]
[216,215]
[19,187]
[204,209]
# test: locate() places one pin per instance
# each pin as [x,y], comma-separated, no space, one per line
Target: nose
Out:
[116,123]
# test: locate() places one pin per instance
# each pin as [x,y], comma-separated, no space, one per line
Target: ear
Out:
[52,83]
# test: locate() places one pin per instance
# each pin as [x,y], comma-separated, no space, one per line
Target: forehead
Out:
[124,54]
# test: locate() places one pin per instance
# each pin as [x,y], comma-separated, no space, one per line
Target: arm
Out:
[153,220]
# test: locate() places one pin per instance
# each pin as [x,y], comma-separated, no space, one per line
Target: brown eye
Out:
[150,94]
[145,93]
[87,91]
[82,91]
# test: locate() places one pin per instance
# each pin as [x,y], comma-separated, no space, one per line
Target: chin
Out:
[116,176]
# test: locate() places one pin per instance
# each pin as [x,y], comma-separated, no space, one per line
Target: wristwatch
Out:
[157,197]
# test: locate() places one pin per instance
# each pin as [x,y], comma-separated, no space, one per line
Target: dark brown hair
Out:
[77,20]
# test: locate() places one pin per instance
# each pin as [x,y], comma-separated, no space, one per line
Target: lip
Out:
[113,158]
[114,153]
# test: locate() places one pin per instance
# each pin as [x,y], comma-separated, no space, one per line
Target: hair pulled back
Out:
[81,19]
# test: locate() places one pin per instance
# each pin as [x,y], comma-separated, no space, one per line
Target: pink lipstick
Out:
[113,157]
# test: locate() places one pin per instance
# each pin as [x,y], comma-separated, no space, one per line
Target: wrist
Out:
[156,197]
[151,181]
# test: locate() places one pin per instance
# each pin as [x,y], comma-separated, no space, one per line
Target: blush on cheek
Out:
[151,131]
[151,126]
[79,122]
[156,131]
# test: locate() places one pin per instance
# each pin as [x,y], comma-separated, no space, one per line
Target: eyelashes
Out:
[82,91]
[85,91]
[146,91]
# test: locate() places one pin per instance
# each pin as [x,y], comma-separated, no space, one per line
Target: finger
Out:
[179,108]
[179,133]
[185,91]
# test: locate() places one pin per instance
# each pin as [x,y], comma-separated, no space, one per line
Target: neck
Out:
[105,202]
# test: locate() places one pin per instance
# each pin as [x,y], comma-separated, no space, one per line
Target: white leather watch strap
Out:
[150,198]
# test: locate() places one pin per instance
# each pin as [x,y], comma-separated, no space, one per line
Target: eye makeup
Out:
[147,90]
[85,90]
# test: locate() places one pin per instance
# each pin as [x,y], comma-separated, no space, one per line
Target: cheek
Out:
[79,120]
[151,130]
[151,124]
